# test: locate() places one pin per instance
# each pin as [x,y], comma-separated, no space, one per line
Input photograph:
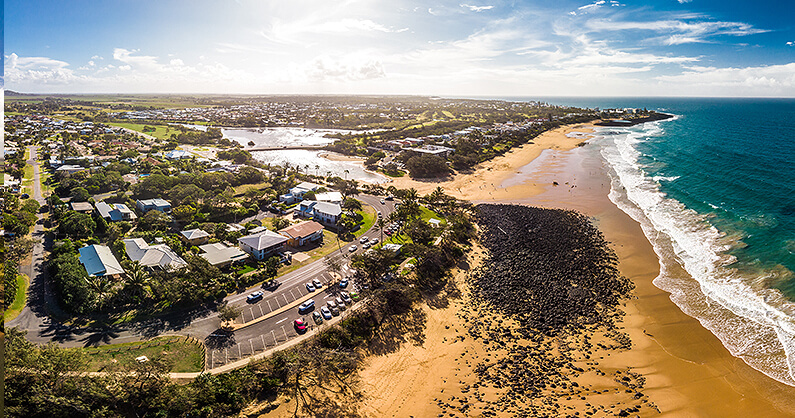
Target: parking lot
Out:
[281,297]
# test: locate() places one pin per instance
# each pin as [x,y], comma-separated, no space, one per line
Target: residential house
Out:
[330,197]
[220,255]
[69,169]
[235,228]
[158,256]
[298,192]
[323,212]
[262,245]
[432,150]
[302,233]
[115,212]
[177,154]
[82,207]
[99,261]
[194,237]
[153,204]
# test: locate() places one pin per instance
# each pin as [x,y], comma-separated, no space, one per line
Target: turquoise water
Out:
[714,191]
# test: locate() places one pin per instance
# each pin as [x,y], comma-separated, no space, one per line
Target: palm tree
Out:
[346,174]
[137,279]
[102,286]
[381,223]
[317,169]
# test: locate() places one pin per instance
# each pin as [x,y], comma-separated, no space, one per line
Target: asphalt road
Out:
[203,324]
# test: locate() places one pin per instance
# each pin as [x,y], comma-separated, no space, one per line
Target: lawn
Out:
[244,270]
[242,189]
[19,299]
[427,214]
[330,244]
[368,220]
[183,354]
[161,131]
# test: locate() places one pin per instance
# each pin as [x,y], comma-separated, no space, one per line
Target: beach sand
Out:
[687,371]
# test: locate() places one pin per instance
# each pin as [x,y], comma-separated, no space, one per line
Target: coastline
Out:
[688,372]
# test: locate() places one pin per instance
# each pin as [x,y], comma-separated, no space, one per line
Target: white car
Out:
[382,202]
[306,306]
[366,245]
[310,288]
[325,312]
[374,241]
[346,298]
[254,296]
[353,248]
[317,284]
[362,240]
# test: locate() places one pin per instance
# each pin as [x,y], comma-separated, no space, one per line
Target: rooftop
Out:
[263,240]
[98,260]
[302,229]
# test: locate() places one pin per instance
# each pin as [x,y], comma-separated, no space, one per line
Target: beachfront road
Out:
[203,324]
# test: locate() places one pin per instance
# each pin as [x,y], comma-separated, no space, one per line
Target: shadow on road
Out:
[220,338]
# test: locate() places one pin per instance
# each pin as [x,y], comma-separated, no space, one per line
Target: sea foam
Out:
[753,322]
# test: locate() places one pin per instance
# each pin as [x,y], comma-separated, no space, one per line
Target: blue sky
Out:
[460,48]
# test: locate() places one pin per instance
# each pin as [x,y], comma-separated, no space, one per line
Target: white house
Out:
[115,212]
[323,212]
[158,256]
[220,255]
[262,245]
[153,204]
[298,192]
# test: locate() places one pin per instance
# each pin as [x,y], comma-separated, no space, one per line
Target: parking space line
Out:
[285,333]
[285,298]
[263,341]
[269,306]
[252,346]
[274,337]
[260,310]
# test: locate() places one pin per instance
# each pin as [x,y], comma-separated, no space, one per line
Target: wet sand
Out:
[687,371]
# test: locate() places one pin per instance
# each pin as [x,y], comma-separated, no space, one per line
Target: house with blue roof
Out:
[99,261]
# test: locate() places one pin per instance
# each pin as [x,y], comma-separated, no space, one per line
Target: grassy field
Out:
[427,214]
[159,101]
[19,299]
[184,355]
[243,188]
[161,131]
[368,220]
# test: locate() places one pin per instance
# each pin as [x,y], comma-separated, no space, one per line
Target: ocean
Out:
[714,191]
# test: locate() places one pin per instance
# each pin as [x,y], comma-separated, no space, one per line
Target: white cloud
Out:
[790,43]
[676,32]
[588,8]
[325,68]
[770,80]
[37,70]
[684,1]
[476,8]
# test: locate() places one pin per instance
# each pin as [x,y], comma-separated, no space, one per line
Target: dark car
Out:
[271,285]
[317,317]
[343,283]
[300,325]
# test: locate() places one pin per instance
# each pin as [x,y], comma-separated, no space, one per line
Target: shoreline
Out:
[686,368]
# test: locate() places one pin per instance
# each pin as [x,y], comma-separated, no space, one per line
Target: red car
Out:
[300,325]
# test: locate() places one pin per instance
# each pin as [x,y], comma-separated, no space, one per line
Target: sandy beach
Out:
[684,370]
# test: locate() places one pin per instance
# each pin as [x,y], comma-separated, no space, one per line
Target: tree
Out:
[154,220]
[270,268]
[137,281]
[280,223]
[80,194]
[184,213]
[427,165]
[351,205]
[102,286]
[77,225]
[228,313]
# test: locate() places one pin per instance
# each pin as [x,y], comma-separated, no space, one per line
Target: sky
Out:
[449,48]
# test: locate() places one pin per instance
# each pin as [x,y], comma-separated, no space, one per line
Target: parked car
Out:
[254,296]
[306,306]
[353,248]
[382,202]
[374,241]
[343,283]
[390,197]
[317,317]
[366,245]
[331,304]
[335,311]
[325,312]
[310,288]
[362,240]
[355,295]
[271,285]
[346,298]
[300,325]
[340,303]
[316,283]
